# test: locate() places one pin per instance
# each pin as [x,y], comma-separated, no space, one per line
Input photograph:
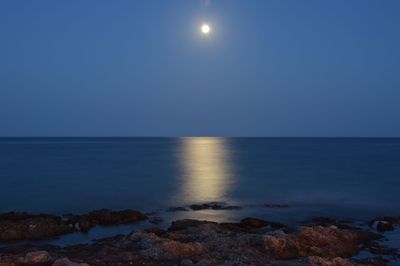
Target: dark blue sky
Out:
[142,68]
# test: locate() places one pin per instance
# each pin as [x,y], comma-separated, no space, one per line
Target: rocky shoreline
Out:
[251,241]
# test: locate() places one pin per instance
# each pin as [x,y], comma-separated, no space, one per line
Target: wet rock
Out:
[190,242]
[253,222]
[318,261]
[213,206]
[104,217]
[67,262]
[384,224]
[186,223]
[23,226]
[320,241]
[36,257]
[177,209]
[250,224]
[326,221]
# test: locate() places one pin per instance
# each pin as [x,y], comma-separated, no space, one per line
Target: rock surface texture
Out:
[191,242]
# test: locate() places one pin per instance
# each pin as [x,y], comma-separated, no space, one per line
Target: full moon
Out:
[205,29]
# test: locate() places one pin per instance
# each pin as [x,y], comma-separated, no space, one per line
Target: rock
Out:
[253,222]
[392,219]
[325,221]
[106,217]
[156,231]
[8,263]
[184,224]
[318,261]
[320,241]
[36,257]
[177,209]
[67,262]
[191,242]
[23,226]
[155,220]
[154,247]
[384,224]
[186,262]
[213,206]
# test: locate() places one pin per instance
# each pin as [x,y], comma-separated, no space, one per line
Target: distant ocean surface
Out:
[344,177]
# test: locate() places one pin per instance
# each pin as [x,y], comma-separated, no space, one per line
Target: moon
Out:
[205,29]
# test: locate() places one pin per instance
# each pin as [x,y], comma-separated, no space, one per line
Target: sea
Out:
[281,179]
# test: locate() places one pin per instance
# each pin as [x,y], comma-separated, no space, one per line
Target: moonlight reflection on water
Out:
[207,172]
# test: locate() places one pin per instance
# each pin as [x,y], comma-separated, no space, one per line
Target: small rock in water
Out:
[177,209]
[384,224]
[155,220]
[213,206]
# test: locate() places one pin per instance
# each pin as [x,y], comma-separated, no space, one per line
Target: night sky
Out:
[143,68]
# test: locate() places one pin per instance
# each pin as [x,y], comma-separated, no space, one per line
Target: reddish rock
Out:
[321,241]
[151,246]
[36,257]
[23,226]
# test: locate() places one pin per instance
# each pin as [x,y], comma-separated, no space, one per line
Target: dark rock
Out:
[392,219]
[186,223]
[325,221]
[156,231]
[384,224]
[23,226]
[213,206]
[249,242]
[275,206]
[155,220]
[177,209]
[105,217]
[253,222]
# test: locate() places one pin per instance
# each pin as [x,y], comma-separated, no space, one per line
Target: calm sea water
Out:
[353,178]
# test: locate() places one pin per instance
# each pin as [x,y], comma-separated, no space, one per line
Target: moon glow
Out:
[205,29]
